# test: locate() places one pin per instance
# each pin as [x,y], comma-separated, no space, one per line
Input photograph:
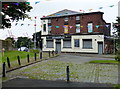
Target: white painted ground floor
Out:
[74,43]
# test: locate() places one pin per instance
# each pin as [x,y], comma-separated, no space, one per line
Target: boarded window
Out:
[87,43]
[66,43]
[49,43]
[76,43]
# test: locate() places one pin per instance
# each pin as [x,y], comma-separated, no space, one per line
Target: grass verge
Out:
[105,61]
[13,55]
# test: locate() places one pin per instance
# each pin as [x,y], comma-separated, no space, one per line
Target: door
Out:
[58,45]
[100,47]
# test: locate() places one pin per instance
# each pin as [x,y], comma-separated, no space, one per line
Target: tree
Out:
[24,41]
[117,26]
[11,40]
[15,11]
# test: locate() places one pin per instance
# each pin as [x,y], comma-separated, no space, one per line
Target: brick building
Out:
[71,31]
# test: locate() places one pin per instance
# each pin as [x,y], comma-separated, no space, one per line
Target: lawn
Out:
[105,61]
[13,55]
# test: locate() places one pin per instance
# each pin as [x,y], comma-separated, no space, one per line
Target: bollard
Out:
[4,75]
[19,60]
[53,53]
[40,55]
[35,57]
[49,53]
[67,70]
[8,62]
[28,58]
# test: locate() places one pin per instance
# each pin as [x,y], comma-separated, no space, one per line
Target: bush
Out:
[34,50]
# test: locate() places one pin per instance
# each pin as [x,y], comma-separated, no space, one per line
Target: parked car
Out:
[23,49]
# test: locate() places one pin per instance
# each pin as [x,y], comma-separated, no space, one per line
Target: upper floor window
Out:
[90,27]
[77,17]
[77,28]
[49,29]
[49,20]
[66,19]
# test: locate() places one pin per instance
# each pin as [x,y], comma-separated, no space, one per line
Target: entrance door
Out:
[58,45]
[100,47]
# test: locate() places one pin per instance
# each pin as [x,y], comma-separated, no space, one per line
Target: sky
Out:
[47,7]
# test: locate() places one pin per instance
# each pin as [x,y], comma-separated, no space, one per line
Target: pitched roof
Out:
[64,12]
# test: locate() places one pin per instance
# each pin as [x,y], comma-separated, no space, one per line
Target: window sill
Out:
[49,47]
[67,47]
[87,48]
[76,47]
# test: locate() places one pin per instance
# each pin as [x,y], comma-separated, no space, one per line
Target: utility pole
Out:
[35,34]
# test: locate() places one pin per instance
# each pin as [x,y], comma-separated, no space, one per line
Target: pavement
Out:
[81,58]
[100,75]
[20,82]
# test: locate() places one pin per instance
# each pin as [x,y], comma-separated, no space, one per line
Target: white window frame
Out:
[77,17]
[90,27]
[66,19]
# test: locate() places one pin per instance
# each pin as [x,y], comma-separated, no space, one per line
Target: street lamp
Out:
[35,34]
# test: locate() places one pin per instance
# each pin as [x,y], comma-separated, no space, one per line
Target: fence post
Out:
[8,62]
[4,73]
[28,58]
[49,53]
[67,70]
[19,60]
[35,57]
[40,55]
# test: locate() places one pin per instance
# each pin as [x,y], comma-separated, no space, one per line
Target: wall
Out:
[96,19]
[99,38]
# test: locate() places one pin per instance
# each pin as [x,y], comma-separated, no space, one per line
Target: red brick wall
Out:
[96,19]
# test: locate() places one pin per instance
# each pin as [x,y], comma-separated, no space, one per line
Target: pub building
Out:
[71,31]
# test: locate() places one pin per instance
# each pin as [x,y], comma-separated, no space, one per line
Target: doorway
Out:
[100,47]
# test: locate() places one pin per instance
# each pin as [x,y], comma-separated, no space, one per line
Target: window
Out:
[77,28]
[66,43]
[65,29]
[87,43]
[44,27]
[49,21]
[66,19]
[49,43]
[77,17]
[90,27]
[76,43]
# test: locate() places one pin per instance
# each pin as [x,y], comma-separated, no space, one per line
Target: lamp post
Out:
[35,34]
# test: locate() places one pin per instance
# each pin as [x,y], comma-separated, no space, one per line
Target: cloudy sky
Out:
[46,7]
